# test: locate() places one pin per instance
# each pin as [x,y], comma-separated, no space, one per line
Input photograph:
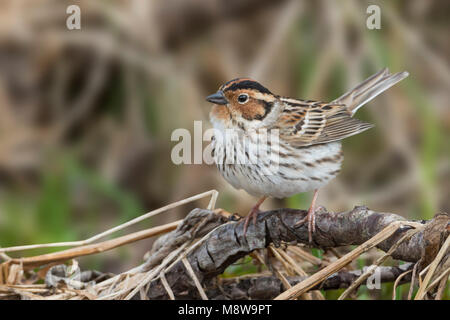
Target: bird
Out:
[275,146]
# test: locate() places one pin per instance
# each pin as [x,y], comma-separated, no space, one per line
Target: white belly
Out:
[262,171]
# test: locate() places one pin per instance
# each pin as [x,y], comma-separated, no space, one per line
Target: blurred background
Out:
[86,115]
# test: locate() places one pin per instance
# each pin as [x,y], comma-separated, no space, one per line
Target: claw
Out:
[310,218]
[253,214]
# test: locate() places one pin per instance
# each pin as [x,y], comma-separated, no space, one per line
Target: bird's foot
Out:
[251,215]
[311,219]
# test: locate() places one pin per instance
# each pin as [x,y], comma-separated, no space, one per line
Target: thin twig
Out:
[315,294]
[400,277]
[423,288]
[212,193]
[166,286]
[31,262]
[377,263]
[156,270]
[318,277]
[305,255]
[194,277]
[438,279]
[413,280]
[440,289]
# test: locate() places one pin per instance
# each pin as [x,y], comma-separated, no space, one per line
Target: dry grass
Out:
[121,286]
[320,276]
[286,261]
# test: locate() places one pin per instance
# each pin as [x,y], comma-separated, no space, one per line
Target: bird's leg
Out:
[310,217]
[253,213]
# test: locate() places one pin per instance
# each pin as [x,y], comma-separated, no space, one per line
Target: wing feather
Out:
[304,123]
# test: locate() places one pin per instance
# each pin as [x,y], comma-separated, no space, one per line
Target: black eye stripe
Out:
[267,107]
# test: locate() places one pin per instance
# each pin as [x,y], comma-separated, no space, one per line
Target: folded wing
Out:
[305,123]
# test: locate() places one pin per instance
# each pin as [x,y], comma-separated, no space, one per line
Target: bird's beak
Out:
[217,98]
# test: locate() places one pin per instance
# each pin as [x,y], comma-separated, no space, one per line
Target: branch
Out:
[268,287]
[226,243]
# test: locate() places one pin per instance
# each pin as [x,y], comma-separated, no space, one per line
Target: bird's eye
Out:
[243,98]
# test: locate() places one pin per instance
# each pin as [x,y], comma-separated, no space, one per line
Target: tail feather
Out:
[369,89]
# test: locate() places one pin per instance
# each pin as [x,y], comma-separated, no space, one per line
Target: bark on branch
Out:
[265,288]
[226,243]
